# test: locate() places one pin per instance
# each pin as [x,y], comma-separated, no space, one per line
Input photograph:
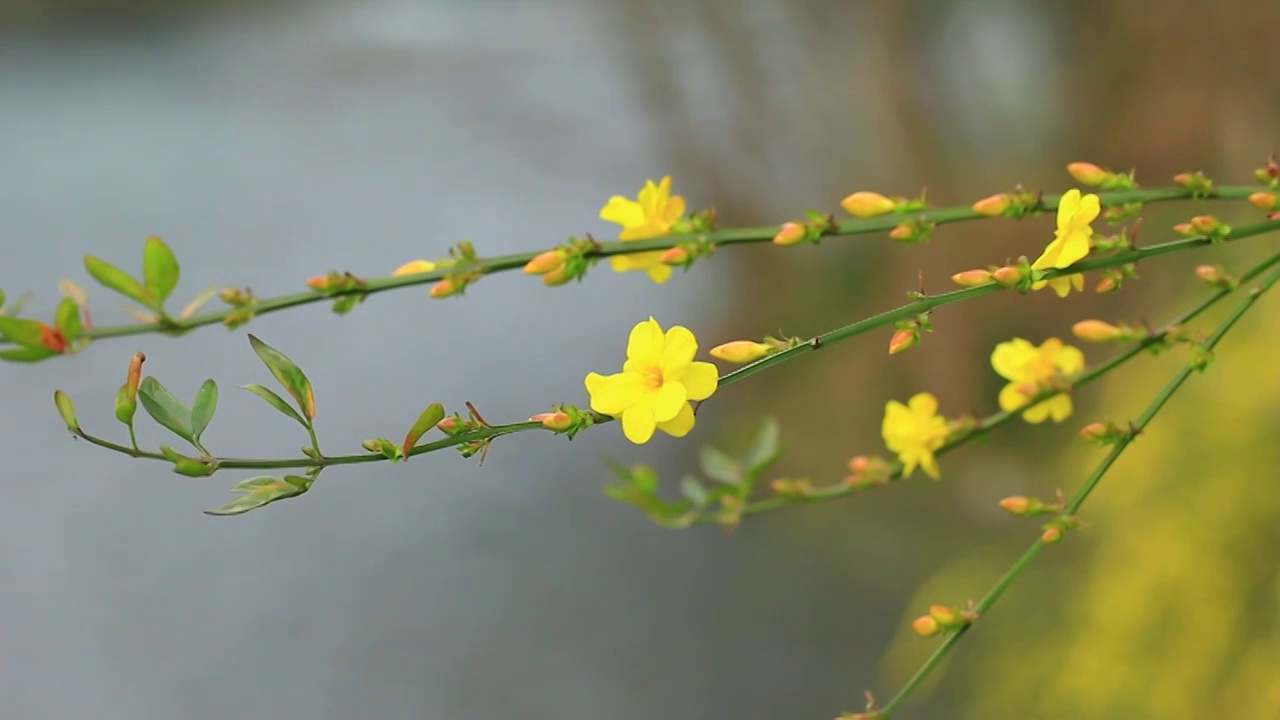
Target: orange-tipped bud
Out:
[318,282]
[134,376]
[674,256]
[1007,276]
[865,204]
[859,464]
[558,276]
[1016,504]
[1183,178]
[449,425]
[414,267]
[1051,535]
[740,351]
[1263,200]
[1184,229]
[925,626]
[445,288]
[789,233]
[994,205]
[906,231]
[231,296]
[557,420]
[1107,284]
[372,445]
[1099,331]
[1087,173]
[544,263]
[1204,224]
[1096,431]
[1214,275]
[902,340]
[971,278]
[52,338]
[944,615]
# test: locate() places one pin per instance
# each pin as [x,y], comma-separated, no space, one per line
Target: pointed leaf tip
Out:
[159,269]
[113,278]
[205,405]
[165,408]
[433,414]
[288,374]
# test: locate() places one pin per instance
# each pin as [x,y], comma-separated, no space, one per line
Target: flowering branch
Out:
[1064,516]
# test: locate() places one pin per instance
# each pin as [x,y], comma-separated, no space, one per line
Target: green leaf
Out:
[165,408]
[66,409]
[433,414]
[262,491]
[719,466]
[203,408]
[289,375]
[693,491]
[159,269]
[22,331]
[275,401]
[67,319]
[26,354]
[113,278]
[764,449]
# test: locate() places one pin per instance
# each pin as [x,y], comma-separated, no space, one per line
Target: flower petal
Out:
[1059,407]
[668,400]
[624,211]
[923,404]
[1068,206]
[681,424]
[1010,358]
[930,465]
[700,380]
[659,272]
[678,348]
[613,394]
[1011,398]
[1069,360]
[644,345]
[638,423]
[1037,413]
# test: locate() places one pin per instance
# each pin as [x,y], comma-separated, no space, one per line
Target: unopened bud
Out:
[789,233]
[1099,331]
[52,338]
[66,409]
[902,340]
[1087,173]
[558,420]
[994,205]
[674,256]
[318,282]
[1204,224]
[1184,229]
[1263,200]
[944,615]
[372,445]
[865,204]
[1007,276]
[414,267]
[1095,431]
[558,276]
[971,278]
[1051,535]
[1016,504]
[445,288]
[925,626]
[1107,284]
[740,351]
[449,425]
[1214,275]
[231,296]
[545,262]
[905,232]
[1183,178]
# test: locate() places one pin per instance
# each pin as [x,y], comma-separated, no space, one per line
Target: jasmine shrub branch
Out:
[1073,505]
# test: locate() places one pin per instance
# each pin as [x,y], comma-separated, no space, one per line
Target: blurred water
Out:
[275,145]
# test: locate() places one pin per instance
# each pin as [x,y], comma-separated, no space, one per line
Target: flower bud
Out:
[740,351]
[925,626]
[450,425]
[1051,535]
[372,445]
[1087,173]
[1183,179]
[1099,331]
[1107,284]
[905,232]
[558,420]
[903,339]
[1007,276]
[789,233]
[318,282]
[1263,200]
[66,409]
[865,204]
[859,463]
[944,615]
[231,296]
[52,338]
[994,205]
[558,276]
[1016,504]
[1214,275]
[674,256]
[1100,432]
[414,267]
[445,288]
[127,395]
[545,262]
[971,278]
[1184,229]
[1204,224]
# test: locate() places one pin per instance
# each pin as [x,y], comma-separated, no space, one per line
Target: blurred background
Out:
[267,142]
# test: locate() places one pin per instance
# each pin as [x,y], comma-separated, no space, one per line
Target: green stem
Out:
[1082,494]
[736,236]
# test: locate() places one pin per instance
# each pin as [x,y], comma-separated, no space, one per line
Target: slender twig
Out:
[1081,494]
[735,236]
[843,333]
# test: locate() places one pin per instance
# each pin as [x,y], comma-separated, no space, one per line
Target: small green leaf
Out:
[719,466]
[262,491]
[433,414]
[66,409]
[26,354]
[764,449]
[113,278]
[693,491]
[289,375]
[275,401]
[165,408]
[203,408]
[159,269]
[67,319]
[183,465]
[23,332]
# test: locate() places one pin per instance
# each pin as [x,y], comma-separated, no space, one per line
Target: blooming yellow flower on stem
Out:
[657,383]
[1070,241]
[914,431]
[650,215]
[1030,369]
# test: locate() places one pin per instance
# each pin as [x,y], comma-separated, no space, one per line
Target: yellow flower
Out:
[650,215]
[914,431]
[1070,241]
[656,384]
[1029,369]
